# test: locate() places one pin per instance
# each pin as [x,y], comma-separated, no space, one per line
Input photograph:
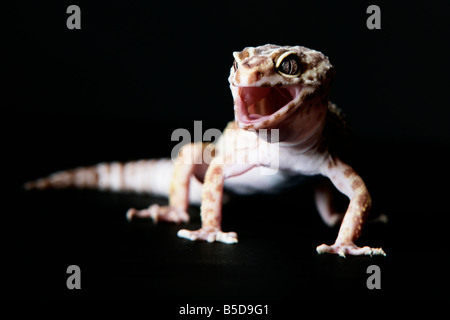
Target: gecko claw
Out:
[376,251]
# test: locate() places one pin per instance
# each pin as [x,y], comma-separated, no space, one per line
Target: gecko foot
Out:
[350,249]
[209,234]
[157,213]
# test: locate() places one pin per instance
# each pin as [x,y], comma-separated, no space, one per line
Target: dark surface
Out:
[117,88]
[275,258]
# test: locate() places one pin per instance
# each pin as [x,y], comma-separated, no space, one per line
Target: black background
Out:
[136,71]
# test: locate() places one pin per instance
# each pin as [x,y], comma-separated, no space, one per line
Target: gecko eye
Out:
[288,65]
[235,65]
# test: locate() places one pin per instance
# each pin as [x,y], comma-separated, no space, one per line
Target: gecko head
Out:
[272,83]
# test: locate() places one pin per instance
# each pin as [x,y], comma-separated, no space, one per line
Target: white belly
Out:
[260,180]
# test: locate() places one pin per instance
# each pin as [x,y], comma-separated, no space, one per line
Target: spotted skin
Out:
[291,102]
[301,126]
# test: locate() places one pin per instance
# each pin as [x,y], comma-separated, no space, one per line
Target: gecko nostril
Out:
[259,75]
[255,76]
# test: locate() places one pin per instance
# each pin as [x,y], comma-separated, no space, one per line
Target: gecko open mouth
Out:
[258,104]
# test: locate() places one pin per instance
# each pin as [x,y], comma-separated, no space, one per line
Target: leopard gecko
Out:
[276,89]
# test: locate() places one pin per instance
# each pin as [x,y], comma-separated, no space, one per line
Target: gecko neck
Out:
[303,131]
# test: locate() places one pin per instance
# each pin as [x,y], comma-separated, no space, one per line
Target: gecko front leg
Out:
[347,181]
[211,208]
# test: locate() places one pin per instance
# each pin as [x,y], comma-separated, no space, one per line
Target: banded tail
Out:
[144,176]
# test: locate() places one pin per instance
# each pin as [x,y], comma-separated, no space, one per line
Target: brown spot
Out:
[357,184]
[266,122]
[364,201]
[316,59]
[207,216]
[208,196]
[207,211]
[331,164]
[237,77]
[217,171]
[349,172]
[213,175]
[253,61]
[243,54]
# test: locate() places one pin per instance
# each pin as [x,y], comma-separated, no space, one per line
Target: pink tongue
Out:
[251,95]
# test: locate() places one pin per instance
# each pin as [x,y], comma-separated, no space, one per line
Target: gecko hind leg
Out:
[159,213]
[186,184]
[169,213]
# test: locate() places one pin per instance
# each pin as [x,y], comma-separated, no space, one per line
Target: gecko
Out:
[281,97]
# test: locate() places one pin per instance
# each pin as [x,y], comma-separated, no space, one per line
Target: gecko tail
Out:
[143,176]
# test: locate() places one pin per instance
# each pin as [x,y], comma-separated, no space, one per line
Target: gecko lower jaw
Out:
[259,106]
